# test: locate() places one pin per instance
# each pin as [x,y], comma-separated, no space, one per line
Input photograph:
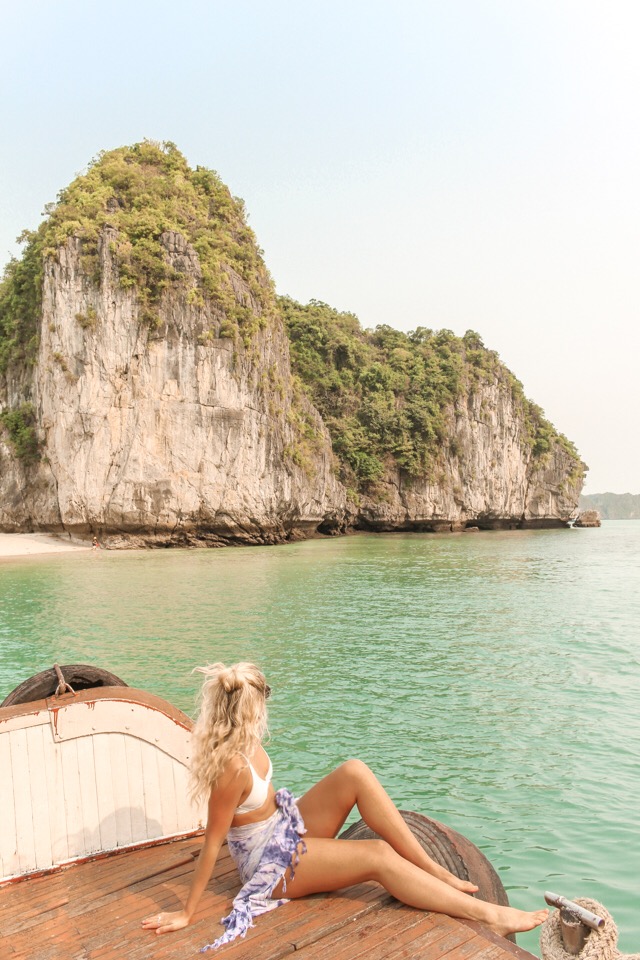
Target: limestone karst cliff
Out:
[432,431]
[168,431]
[147,389]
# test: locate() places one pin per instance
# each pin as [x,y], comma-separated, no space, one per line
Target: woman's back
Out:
[260,786]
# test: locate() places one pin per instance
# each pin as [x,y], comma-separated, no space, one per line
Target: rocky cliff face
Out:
[165,433]
[147,395]
[486,476]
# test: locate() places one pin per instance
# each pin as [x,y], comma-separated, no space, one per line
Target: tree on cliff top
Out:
[143,191]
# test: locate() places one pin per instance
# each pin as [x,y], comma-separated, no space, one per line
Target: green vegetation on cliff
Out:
[386,396]
[20,424]
[142,191]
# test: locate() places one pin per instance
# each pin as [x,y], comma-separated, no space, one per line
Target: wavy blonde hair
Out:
[232,720]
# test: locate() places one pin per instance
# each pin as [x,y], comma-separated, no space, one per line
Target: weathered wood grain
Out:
[93,911]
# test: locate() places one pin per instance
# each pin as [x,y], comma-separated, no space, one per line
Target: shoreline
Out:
[17,546]
[14,546]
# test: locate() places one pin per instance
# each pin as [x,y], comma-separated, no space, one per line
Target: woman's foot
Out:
[506,920]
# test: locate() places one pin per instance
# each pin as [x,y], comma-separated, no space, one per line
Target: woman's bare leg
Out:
[326,806]
[332,864]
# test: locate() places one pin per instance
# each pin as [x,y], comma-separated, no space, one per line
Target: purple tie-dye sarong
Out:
[262,852]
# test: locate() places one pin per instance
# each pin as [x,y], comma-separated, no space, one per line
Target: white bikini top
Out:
[259,789]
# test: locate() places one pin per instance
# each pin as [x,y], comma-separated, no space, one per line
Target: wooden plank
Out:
[274,934]
[80,806]
[334,911]
[127,909]
[121,801]
[39,798]
[26,890]
[364,934]
[478,948]
[133,772]
[22,776]
[8,848]
[433,943]
[74,877]
[36,917]
[38,945]
[110,902]
[88,796]
[163,894]
[54,780]
[68,759]
[29,913]
[383,930]
[265,940]
[129,912]
[167,793]
[105,777]
[152,799]
[14,909]
[395,937]
[81,901]
[187,814]
[505,945]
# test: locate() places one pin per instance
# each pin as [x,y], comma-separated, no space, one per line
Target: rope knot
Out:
[601,944]
[63,686]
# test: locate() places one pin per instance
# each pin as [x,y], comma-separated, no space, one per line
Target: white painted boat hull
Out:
[86,774]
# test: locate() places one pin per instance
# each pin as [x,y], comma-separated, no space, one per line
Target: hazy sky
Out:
[461,163]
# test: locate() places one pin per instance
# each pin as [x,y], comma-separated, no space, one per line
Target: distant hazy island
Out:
[155,389]
[613,506]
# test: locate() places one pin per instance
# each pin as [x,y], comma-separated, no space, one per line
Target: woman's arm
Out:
[224,799]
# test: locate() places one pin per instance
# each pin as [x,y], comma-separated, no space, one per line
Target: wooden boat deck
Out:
[92,911]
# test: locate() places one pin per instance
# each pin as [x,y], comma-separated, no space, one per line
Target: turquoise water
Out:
[492,680]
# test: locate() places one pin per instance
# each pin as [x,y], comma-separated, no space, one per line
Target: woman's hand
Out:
[223,800]
[166,922]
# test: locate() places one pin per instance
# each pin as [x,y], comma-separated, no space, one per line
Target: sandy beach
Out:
[31,544]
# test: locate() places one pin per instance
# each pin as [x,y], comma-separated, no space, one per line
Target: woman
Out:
[264,829]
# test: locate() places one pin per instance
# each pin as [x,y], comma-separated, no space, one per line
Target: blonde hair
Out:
[232,720]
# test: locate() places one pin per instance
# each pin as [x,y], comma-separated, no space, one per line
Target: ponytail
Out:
[232,720]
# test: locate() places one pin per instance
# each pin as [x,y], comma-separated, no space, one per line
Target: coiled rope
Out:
[601,944]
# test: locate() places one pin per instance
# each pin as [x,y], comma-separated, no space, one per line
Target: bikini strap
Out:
[251,766]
